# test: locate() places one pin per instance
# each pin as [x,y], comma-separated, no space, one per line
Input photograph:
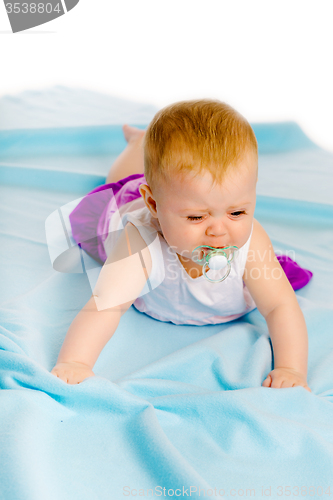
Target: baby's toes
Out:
[132,133]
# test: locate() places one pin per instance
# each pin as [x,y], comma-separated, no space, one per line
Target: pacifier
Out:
[215,259]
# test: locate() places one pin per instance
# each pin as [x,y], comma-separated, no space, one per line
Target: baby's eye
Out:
[197,217]
[237,214]
[194,218]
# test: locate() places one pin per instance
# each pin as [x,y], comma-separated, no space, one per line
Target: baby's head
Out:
[201,166]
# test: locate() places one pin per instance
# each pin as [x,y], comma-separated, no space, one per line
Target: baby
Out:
[193,173]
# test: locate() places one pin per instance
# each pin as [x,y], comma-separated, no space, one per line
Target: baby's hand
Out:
[73,372]
[285,377]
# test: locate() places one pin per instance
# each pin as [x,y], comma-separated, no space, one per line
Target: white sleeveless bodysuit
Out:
[170,294]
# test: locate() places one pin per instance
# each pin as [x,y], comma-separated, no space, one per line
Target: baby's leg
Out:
[130,161]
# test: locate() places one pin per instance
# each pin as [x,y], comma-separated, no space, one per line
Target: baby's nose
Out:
[216,230]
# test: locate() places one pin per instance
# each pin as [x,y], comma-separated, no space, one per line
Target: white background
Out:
[272,60]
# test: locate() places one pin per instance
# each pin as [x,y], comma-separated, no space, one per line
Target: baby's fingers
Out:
[305,387]
[77,378]
[71,377]
[60,375]
[267,382]
[288,383]
[279,382]
[292,383]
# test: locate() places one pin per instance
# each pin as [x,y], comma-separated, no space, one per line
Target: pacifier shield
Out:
[214,259]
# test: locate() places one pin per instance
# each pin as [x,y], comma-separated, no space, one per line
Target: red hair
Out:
[195,136]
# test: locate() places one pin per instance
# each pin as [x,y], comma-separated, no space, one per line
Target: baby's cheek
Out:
[242,234]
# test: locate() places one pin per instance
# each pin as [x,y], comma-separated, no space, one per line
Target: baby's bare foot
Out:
[132,133]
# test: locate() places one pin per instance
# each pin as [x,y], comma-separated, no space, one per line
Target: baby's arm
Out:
[277,302]
[120,282]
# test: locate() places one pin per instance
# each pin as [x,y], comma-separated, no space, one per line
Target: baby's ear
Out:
[147,196]
[144,190]
[143,185]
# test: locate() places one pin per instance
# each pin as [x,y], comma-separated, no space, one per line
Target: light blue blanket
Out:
[174,407]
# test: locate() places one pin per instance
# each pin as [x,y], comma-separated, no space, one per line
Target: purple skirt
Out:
[90,218]
[90,223]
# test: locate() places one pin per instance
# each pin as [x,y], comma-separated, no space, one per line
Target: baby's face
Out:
[191,212]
